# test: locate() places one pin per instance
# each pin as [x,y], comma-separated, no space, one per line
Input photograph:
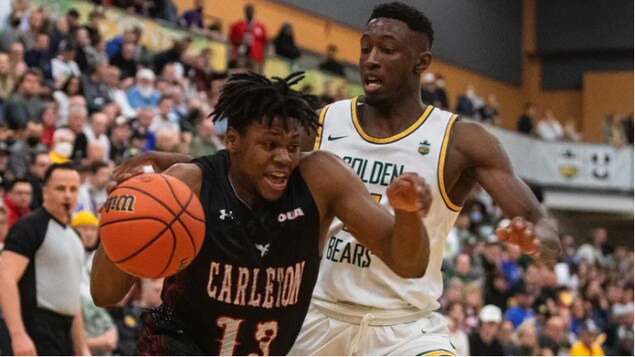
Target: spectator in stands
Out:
[41,162]
[50,118]
[95,18]
[553,336]
[143,93]
[599,252]
[42,263]
[285,43]
[193,18]
[465,105]
[16,57]
[456,319]
[330,64]
[59,33]
[87,55]
[174,54]
[525,124]
[613,131]
[62,149]
[125,60]
[41,57]
[95,87]
[27,142]
[205,142]
[77,115]
[504,338]
[527,340]
[165,118]
[4,228]
[167,141]
[428,88]
[72,87]
[72,17]
[522,311]
[116,92]
[25,104]
[36,22]
[549,128]
[12,33]
[64,65]
[628,128]
[7,79]
[119,139]
[96,131]
[17,201]
[249,38]
[483,340]
[490,112]
[142,125]
[571,132]
[440,94]
[95,152]
[92,193]
[586,345]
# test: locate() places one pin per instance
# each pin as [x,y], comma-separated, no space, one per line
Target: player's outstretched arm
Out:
[531,229]
[400,241]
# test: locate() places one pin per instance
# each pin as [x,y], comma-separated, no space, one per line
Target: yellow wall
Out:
[604,93]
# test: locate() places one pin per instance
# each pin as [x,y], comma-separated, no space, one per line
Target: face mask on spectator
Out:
[64,149]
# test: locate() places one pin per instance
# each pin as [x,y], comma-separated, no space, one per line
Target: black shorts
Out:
[51,333]
[163,335]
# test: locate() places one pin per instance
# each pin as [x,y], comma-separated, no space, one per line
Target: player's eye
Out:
[365,50]
[269,145]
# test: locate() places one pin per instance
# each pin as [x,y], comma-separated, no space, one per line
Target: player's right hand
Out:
[540,241]
[22,345]
[134,166]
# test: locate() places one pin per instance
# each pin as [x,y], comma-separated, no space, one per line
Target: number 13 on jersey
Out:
[266,332]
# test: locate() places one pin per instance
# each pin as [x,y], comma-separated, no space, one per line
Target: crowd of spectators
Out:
[67,94]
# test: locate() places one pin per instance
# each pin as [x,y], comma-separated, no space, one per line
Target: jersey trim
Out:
[391,139]
[444,148]
[439,352]
[318,137]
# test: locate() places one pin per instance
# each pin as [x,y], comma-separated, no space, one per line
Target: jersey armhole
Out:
[440,178]
[318,137]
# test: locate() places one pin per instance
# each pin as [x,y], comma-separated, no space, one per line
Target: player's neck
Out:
[243,195]
[390,118]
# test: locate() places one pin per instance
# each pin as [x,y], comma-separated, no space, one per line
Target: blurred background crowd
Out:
[70,93]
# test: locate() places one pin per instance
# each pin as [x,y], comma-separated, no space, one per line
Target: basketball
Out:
[152,226]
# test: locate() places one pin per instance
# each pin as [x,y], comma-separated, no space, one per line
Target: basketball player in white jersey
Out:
[359,306]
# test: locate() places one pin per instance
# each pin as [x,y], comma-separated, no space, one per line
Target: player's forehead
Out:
[388,27]
[281,127]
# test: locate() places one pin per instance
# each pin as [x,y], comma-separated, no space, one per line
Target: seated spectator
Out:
[87,55]
[527,342]
[205,142]
[522,310]
[171,55]
[7,79]
[96,131]
[330,64]
[92,193]
[41,162]
[72,87]
[117,94]
[50,119]
[549,128]
[127,317]
[25,104]
[64,65]
[41,57]
[11,34]
[466,105]
[440,94]
[141,124]
[35,26]
[613,131]
[119,139]
[483,341]
[77,115]
[143,93]
[27,142]
[62,149]
[60,33]
[193,18]
[428,88]
[504,338]
[95,88]
[125,60]
[490,112]
[167,141]
[95,152]
[17,201]
[285,43]
[553,336]
[525,124]
[587,345]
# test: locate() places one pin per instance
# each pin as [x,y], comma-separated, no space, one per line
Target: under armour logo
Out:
[264,249]
[224,213]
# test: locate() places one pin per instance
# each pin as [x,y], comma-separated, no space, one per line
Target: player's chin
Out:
[272,191]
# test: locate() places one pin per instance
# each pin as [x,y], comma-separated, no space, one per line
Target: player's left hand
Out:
[540,241]
[410,193]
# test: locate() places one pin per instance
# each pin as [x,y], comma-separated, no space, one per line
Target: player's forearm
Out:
[164,160]
[108,284]
[11,308]
[410,245]
[78,337]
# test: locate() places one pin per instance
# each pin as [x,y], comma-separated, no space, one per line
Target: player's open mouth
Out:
[372,83]
[277,181]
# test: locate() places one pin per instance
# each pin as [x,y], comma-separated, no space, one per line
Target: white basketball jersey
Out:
[351,273]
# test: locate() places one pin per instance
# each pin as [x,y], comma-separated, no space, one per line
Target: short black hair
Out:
[12,184]
[94,167]
[412,17]
[249,98]
[55,167]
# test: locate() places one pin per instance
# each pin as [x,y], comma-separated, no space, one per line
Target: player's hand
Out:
[410,193]
[539,241]
[22,345]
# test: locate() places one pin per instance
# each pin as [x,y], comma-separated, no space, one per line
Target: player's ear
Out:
[232,139]
[424,58]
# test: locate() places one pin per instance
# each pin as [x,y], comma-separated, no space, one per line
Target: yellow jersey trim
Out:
[318,137]
[441,166]
[440,352]
[391,139]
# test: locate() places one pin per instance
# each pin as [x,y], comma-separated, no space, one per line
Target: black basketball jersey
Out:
[249,288]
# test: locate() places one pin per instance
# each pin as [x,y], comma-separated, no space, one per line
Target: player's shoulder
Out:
[466,131]
[322,166]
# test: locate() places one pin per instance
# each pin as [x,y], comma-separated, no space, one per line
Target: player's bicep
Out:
[190,174]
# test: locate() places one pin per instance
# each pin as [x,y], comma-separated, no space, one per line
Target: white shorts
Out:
[323,335]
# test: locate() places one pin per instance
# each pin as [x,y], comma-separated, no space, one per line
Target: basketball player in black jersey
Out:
[267,210]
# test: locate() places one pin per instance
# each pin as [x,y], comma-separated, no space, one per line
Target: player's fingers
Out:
[518,225]
[502,233]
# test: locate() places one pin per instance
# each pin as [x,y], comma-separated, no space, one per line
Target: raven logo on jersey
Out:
[264,249]
[424,147]
[225,214]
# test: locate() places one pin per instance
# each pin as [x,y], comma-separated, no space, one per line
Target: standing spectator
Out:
[525,124]
[17,201]
[249,38]
[193,18]
[586,345]
[25,104]
[549,128]
[40,273]
[143,93]
[41,162]
[64,65]
[7,79]
[613,131]
[285,43]
[330,64]
[92,193]
[41,57]
[96,131]
[483,341]
[95,88]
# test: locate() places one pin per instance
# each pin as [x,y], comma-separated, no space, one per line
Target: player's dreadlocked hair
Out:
[414,18]
[251,97]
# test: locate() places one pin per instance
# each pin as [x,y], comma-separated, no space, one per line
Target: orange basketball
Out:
[152,226]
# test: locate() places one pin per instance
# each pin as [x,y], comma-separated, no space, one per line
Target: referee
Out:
[40,273]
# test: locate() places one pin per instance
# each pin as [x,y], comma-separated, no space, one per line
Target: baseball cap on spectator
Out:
[146,74]
[84,218]
[490,313]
